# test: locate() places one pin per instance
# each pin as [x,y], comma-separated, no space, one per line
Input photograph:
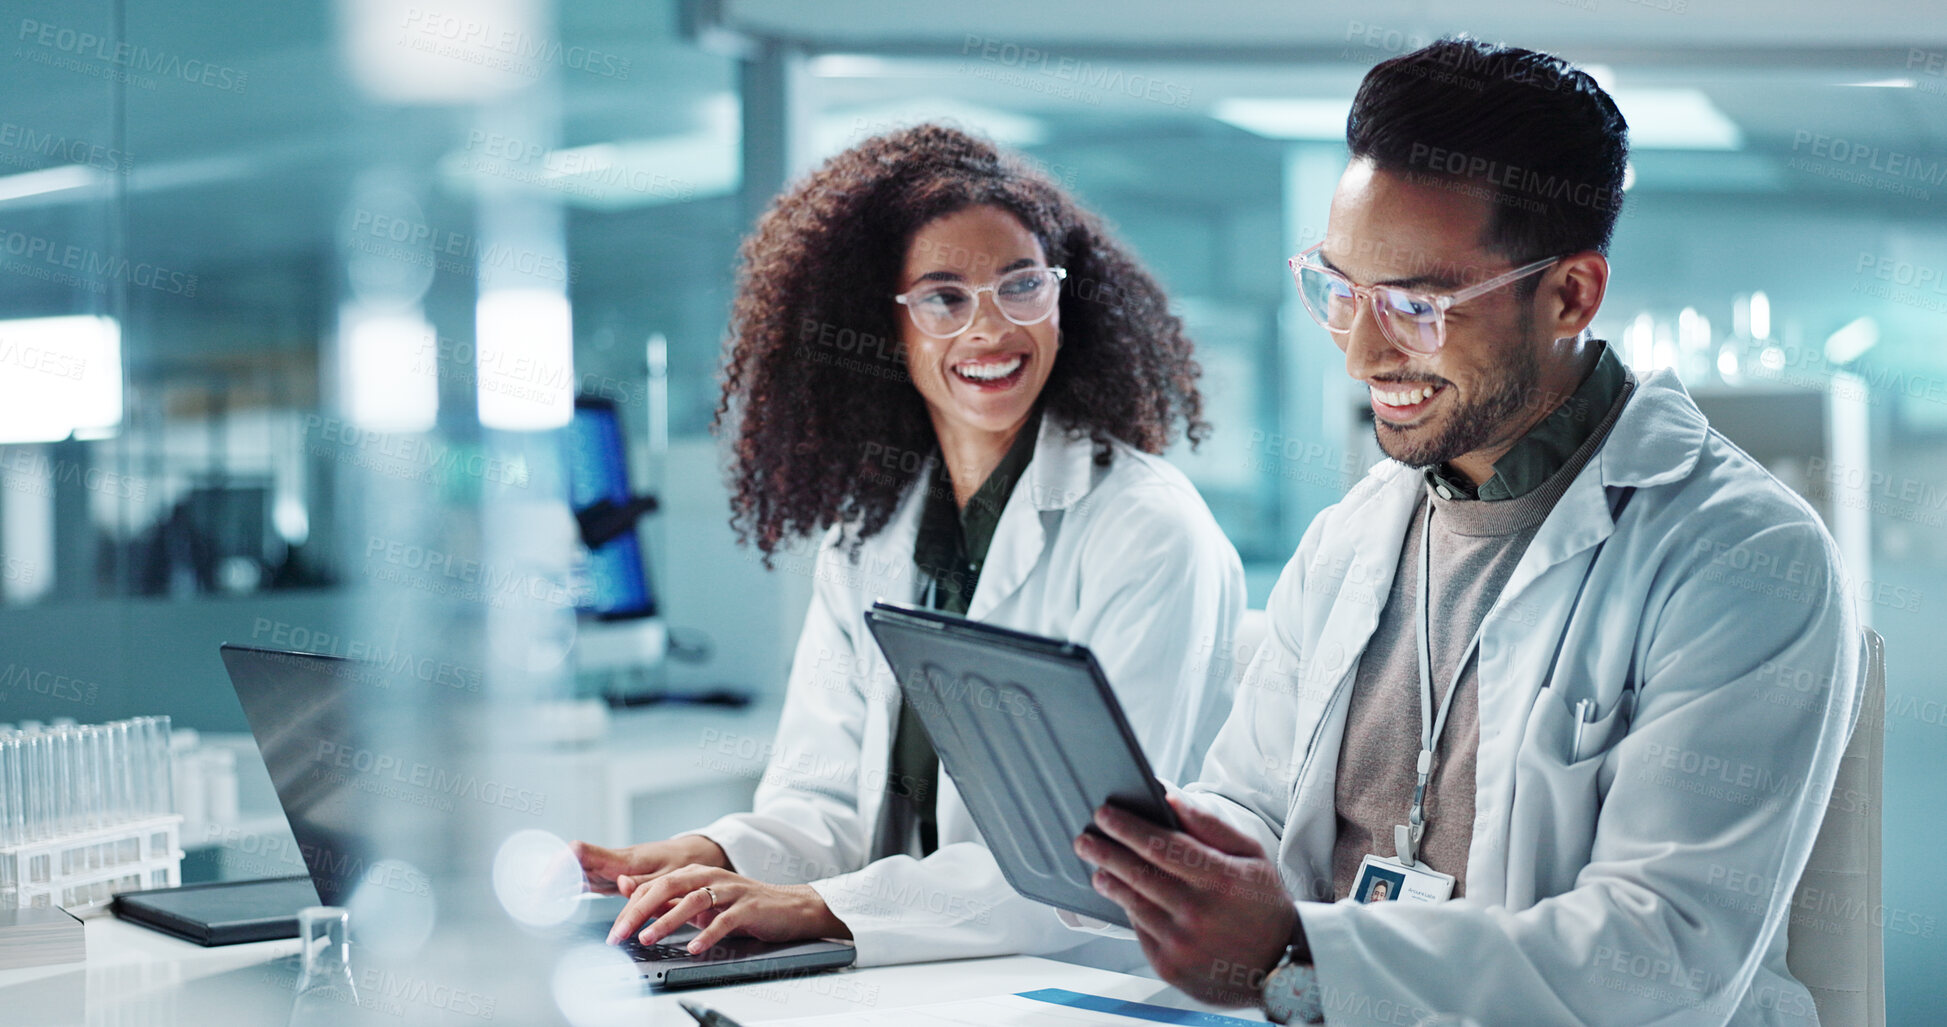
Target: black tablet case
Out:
[1033,737]
[225,913]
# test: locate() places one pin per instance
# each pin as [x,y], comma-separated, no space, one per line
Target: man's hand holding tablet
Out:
[1207,905]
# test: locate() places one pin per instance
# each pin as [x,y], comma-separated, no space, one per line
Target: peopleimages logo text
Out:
[1086,74]
[90,46]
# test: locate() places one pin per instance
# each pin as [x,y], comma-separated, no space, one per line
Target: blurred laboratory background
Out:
[393,331]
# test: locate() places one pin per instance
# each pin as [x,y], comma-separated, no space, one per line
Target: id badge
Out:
[1381,879]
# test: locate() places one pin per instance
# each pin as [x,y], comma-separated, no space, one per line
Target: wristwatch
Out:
[1291,993]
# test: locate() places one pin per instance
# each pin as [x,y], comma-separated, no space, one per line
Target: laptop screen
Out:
[301,711]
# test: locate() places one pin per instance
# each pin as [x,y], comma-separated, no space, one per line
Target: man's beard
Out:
[1474,425]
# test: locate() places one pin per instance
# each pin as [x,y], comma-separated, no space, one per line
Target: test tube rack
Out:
[82,870]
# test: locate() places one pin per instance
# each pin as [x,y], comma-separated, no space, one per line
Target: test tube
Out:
[80,773]
[128,732]
[50,806]
[117,737]
[103,766]
[63,738]
[77,775]
[135,772]
[138,769]
[89,785]
[17,786]
[162,784]
[34,783]
[10,795]
[30,806]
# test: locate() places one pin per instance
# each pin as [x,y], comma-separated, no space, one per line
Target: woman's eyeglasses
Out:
[1414,322]
[945,309]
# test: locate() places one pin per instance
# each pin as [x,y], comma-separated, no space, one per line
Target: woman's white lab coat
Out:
[1644,876]
[1125,559]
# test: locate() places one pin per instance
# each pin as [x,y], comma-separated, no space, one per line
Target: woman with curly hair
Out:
[947,368]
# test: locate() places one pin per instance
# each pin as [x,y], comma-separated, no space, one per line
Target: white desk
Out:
[135,977]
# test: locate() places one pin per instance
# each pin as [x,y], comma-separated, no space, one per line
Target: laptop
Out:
[299,706]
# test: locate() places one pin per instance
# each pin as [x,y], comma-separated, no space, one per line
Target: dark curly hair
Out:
[829,428]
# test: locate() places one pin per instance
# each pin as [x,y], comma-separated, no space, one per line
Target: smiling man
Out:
[1522,674]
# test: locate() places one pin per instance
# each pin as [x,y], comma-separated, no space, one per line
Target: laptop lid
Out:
[299,706]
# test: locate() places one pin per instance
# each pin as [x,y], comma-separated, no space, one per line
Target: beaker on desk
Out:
[325,992]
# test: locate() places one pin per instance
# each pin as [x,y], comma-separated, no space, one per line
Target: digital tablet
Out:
[1034,740]
[223,913]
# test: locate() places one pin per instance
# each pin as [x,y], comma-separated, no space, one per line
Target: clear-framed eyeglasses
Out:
[1414,322]
[945,309]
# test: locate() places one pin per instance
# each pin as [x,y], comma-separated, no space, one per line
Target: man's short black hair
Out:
[1527,131]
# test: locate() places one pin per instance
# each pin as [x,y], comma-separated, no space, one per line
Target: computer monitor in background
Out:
[621,638]
[615,582]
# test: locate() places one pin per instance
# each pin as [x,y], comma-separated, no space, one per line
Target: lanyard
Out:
[1406,837]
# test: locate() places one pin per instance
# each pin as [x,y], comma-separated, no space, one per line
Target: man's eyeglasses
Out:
[1414,322]
[945,309]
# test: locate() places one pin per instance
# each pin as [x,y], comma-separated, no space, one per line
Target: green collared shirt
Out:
[951,547]
[953,542]
[1550,444]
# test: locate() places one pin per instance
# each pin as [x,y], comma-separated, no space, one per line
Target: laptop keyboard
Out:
[642,953]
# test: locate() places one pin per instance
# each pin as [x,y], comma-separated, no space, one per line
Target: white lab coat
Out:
[1644,878]
[1125,559]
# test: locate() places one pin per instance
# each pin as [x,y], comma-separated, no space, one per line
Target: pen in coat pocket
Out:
[1584,713]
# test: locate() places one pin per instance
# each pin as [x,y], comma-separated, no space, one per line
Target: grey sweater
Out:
[1476,544]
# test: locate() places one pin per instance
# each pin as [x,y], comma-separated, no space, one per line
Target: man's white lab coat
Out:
[1645,876]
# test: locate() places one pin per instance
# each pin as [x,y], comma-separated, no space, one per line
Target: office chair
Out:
[1833,941]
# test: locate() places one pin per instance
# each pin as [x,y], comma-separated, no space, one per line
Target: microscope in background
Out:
[622,641]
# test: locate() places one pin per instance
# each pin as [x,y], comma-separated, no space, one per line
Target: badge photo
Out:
[1378,884]
[1386,880]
